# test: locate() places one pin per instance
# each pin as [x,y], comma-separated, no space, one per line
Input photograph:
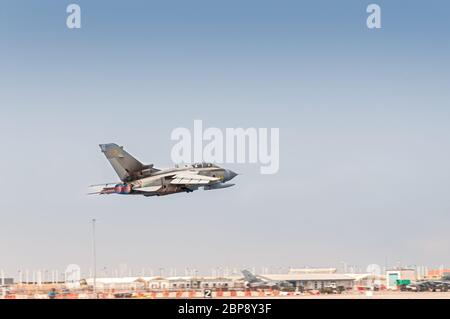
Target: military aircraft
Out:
[139,179]
[262,283]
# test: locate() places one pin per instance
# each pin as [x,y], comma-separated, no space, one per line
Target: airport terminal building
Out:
[315,281]
[306,281]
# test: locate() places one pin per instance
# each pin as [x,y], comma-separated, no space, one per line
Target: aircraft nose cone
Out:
[229,175]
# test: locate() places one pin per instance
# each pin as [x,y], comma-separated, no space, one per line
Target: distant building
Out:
[312,271]
[307,281]
[6,281]
[157,283]
[315,281]
[164,283]
[105,283]
[368,280]
[399,274]
[216,283]
[438,273]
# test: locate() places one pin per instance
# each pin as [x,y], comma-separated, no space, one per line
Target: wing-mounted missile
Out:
[217,186]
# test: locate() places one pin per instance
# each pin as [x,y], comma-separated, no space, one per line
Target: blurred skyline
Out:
[363,116]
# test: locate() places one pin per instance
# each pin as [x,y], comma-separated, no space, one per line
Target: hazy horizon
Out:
[364,132]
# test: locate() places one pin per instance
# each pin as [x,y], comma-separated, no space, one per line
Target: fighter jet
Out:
[139,179]
[263,283]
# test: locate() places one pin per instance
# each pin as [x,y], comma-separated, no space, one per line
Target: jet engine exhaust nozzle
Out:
[122,189]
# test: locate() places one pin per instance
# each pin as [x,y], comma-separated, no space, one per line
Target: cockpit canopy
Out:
[204,165]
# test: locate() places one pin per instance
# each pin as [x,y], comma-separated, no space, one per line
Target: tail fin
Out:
[249,276]
[123,163]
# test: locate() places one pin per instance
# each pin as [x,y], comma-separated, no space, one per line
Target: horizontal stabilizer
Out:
[105,188]
[103,185]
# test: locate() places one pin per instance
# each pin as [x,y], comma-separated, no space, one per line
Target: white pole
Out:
[2,274]
[95,257]
[39,277]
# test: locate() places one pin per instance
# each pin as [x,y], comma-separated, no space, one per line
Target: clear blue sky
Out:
[363,117]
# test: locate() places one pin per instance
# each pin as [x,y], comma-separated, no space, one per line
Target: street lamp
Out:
[94,257]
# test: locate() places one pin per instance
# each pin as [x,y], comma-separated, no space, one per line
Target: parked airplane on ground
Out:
[262,283]
[139,179]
